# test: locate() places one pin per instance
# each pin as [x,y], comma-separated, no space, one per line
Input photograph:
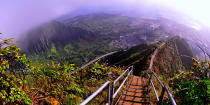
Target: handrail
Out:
[91,62]
[170,96]
[110,95]
[164,88]
[153,86]
[87,100]
[129,70]
[158,79]
[120,76]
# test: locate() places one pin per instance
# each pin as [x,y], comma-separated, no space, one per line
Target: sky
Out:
[197,9]
[19,16]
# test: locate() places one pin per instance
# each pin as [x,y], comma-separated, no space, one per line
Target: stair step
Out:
[135,92]
[127,102]
[137,88]
[134,96]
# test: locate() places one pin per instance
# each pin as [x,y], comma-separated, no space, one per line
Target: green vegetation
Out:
[77,53]
[74,42]
[192,87]
[11,87]
[26,82]
[138,56]
[50,81]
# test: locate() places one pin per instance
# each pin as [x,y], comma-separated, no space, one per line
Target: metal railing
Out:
[91,62]
[97,92]
[164,88]
[110,96]
[128,71]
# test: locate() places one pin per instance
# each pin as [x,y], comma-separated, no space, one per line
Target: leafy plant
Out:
[10,86]
[97,71]
[48,81]
[193,87]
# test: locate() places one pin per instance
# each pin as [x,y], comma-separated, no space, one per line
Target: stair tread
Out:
[135,93]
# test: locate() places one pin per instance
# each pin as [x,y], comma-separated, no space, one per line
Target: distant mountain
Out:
[82,38]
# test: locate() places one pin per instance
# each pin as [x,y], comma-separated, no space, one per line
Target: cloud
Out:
[18,16]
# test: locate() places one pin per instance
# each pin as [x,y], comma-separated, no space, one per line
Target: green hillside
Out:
[82,38]
[168,60]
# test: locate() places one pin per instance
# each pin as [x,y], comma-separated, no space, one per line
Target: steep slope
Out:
[40,39]
[168,60]
[138,56]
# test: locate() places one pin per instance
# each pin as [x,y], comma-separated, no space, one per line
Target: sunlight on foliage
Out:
[50,82]
[10,85]
[192,86]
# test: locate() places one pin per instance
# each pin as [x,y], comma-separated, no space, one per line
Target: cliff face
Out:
[43,37]
[168,60]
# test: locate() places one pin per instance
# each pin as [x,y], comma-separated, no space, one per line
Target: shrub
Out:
[10,85]
[193,87]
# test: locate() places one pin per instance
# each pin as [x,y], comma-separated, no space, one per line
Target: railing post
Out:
[128,72]
[161,96]
[132,71]
[150,77]
[112,93]
[109,94]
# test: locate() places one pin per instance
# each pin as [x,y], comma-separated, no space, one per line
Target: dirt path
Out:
[153,56]
[136,93]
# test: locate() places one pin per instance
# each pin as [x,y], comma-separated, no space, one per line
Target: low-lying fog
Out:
[19,16]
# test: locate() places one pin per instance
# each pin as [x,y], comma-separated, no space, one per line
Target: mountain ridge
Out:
[167,59]
[98,34]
